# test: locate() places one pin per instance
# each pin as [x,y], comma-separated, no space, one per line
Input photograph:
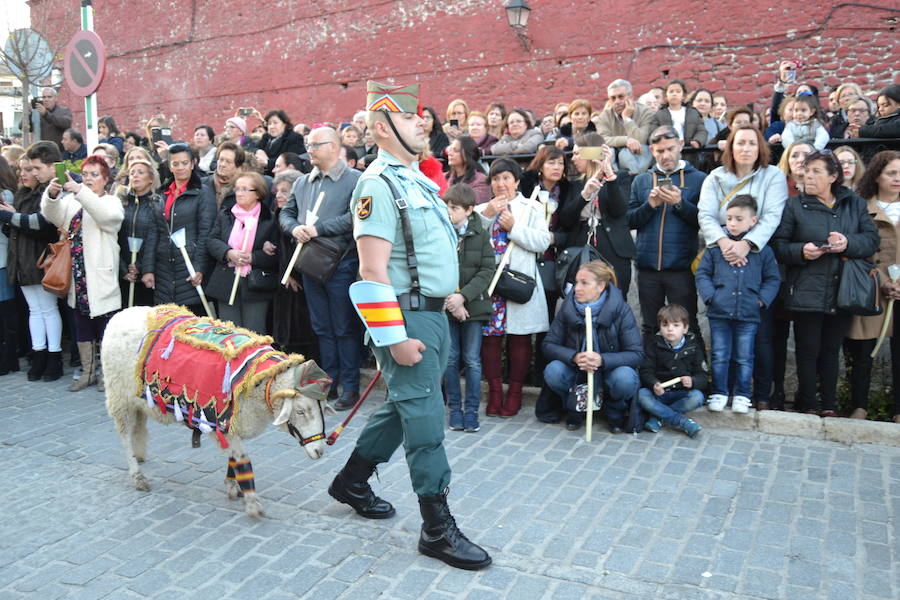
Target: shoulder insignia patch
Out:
[364,207]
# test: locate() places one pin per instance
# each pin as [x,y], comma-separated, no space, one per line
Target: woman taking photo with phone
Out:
[819,228]
[595,211]
[92,219]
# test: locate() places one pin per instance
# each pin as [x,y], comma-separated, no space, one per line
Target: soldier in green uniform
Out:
[407,252]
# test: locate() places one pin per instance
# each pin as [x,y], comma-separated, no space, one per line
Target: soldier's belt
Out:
[426,303]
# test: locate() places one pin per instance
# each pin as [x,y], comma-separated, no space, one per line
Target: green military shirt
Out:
[375,213]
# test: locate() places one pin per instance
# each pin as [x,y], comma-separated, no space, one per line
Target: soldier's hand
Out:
[408,352]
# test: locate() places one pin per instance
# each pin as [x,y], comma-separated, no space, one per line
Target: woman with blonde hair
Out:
[791,164]
[141,202]
[457,115]
[476,126]
[616,352]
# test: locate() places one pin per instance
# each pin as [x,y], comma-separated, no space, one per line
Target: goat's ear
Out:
[285,413]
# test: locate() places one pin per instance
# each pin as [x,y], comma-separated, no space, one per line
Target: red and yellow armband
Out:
[377,306]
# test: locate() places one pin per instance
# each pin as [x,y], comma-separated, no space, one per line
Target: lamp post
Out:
[517,13]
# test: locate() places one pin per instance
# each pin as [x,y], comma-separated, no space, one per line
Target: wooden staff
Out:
[134,244]
[589,345]
[179,238]
[506,255]
[248,223]
[670,382]
[310,220]
[894,274]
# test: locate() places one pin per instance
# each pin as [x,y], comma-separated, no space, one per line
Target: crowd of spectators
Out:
[657,186]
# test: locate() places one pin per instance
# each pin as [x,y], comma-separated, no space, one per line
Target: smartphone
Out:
[823,245]
[245,111]
[60,173]
[156,134]
[792,76]
[665,182]
[454,123]
[166,135]
[592,153]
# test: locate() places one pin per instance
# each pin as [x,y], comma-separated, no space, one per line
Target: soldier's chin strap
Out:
[387,117]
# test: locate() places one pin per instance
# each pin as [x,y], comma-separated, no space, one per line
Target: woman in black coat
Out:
[616,352]
[141,203]
[183,206]
[258,261]
[887,125]
[595,211]
[279,138]
[819,228]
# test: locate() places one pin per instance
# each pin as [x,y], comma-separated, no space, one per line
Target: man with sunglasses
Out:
[663,210]
[625,124]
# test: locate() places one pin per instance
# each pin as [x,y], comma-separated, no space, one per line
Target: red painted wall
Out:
[197,60]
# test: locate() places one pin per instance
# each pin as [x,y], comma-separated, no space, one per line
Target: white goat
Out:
[297,413]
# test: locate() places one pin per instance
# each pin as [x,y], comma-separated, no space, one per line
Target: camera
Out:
[35,102]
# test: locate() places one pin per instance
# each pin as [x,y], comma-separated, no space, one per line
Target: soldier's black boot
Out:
[351,486]
[442,539]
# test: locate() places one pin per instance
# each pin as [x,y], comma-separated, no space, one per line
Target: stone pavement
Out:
[732,514]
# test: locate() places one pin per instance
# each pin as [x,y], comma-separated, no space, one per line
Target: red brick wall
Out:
[197,60]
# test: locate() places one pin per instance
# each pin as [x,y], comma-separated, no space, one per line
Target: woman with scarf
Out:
[183,207]
[516,224]
[248,220]
[616,352]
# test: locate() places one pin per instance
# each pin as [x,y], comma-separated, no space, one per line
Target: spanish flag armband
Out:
[377,306]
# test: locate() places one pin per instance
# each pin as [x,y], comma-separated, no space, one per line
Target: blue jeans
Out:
[619,386]
[732,340]
[336,324]
[465,344]
[671,406]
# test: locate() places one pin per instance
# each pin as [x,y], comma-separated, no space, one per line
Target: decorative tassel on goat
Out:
[149,397]
[168,351]
[179,416]
[223,443]
[162,406]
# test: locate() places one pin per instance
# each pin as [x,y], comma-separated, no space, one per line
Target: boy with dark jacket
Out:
[672,374]
[469,306]
[734,296]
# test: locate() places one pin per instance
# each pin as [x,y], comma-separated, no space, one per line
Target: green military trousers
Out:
[414,411]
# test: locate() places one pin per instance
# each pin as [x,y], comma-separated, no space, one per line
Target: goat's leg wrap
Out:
[230,475]
[243,473]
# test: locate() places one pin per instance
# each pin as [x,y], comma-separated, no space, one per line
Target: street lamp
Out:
[517,13]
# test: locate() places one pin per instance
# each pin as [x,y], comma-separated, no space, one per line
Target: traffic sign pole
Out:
[91,133]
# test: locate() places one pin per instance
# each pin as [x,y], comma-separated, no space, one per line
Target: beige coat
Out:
[100,223]
[617,132]
[867,328]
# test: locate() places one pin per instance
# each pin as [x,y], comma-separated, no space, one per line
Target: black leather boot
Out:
[38,365]
[442,539]
[54,368]
[351,486]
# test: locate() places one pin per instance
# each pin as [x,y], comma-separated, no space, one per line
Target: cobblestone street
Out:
[728,515]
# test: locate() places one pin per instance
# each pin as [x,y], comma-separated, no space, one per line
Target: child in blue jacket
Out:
[734,295]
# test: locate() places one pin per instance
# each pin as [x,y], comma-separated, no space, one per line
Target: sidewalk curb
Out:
[774,422]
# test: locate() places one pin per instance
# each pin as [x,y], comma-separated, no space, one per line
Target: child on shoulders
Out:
[672,358]
[734,295]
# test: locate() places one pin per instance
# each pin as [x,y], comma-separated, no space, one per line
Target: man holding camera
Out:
[55,118]
[663,209]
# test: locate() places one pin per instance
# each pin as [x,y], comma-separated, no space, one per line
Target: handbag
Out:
[859,290]
[579,394]
[515,286]
[547,271]
[570,260]
[696,262]
[320,258]
[260,280]
[56,262]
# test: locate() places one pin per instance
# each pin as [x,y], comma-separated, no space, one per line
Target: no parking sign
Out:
[85,63]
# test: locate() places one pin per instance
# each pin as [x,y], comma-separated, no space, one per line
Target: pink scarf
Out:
[237,231]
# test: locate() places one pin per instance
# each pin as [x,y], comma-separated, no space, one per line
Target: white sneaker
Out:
[717,402]
[740,404]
